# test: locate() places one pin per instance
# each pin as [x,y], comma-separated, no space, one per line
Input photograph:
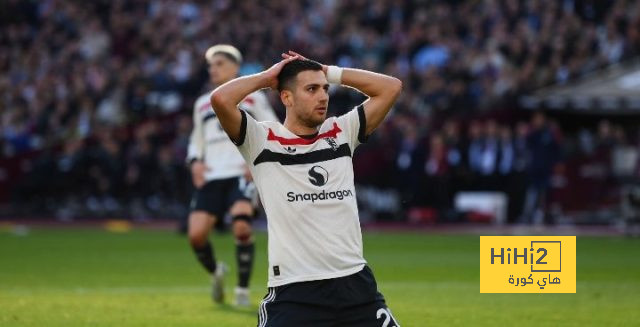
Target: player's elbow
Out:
[392,87]
[395,86]
[221,101]
[217,99]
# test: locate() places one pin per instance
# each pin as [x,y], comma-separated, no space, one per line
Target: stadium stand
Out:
[96,97]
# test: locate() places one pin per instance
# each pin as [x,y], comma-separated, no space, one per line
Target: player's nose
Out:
[324,97]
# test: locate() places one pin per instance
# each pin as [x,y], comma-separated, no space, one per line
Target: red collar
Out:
[333,133]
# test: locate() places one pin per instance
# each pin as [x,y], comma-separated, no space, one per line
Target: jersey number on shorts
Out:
[387,317]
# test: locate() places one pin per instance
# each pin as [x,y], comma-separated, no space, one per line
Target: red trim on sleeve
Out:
[205,106]
[248,100]
[333,133]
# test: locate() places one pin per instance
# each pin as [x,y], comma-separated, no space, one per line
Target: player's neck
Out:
[299,128]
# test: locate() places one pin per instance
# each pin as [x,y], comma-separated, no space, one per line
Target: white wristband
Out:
[334,74]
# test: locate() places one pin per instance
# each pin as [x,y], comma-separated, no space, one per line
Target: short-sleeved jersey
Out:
[210,143]
[308,193]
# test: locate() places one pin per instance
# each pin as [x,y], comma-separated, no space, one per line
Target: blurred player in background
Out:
[304,172]
[222,181]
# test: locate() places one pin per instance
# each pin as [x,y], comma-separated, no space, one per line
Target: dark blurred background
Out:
[528,107]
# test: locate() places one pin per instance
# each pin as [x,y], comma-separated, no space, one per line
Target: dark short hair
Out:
[291,70]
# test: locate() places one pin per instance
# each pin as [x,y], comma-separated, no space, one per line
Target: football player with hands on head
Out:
[303,170]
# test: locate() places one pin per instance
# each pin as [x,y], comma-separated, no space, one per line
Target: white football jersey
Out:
[210,143]
[307,190]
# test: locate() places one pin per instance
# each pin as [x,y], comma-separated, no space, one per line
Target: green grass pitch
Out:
[91,277]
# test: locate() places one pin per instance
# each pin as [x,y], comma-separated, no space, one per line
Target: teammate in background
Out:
[221,178]
[304,174]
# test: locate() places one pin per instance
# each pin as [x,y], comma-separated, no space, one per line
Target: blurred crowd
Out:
[544,171]
[98,94]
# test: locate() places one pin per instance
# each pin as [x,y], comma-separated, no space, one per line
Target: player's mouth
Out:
[321,110]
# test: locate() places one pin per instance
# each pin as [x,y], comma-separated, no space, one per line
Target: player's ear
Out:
[286,96]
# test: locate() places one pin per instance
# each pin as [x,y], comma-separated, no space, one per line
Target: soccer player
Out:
[221,178]
[304,174]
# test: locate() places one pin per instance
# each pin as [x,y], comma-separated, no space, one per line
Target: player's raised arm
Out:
[381,89]
[226,97]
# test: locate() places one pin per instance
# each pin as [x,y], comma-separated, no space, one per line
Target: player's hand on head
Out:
[271,74]
[292,53]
